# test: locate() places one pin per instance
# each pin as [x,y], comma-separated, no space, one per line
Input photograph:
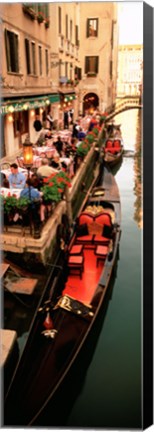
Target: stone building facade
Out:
[130,70]
[56,57]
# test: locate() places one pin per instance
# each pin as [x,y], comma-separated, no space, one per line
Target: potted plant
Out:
[40,17]
[29,11]
[47,23]
[9,207]
[90,137]
[95,131]
[54,187]
[102,118]
[23,205]
[83,149]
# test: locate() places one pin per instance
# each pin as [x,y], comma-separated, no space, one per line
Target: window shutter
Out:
[87,35]
[27,55]
[96,64]
[86,65]
[7,51]
[16,53]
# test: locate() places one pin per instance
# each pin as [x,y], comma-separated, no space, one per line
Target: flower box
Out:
[29,11]
[40,18]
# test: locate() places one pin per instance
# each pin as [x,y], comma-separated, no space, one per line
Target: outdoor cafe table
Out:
[10,192]
[45,151]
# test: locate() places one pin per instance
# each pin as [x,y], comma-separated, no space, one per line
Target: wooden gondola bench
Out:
[75,264]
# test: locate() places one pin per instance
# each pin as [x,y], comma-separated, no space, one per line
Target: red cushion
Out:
[116,143]
[87,238]
[100,239]
[76,250]
[101,250]
[108,143]
[85,218]
[75,259]
[103,219]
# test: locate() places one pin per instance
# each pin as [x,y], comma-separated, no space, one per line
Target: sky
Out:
[130,17]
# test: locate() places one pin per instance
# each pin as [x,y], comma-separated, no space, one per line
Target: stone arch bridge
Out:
[124,104]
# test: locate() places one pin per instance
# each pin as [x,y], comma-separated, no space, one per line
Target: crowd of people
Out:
[64,157]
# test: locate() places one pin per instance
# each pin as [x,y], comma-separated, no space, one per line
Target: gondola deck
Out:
[84,289]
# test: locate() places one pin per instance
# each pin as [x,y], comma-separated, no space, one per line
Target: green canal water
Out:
[111,394]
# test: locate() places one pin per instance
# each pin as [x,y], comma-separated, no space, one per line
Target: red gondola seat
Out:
[101,252]
[103,219]
[76,264]
[117,145]
[76,249]
[85,218]
[82,234]
[108,144]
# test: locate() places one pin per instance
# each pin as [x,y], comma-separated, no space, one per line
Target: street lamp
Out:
[28,153]
[28,157]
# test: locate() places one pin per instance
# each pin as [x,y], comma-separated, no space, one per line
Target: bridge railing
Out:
[124,105]
[127,102]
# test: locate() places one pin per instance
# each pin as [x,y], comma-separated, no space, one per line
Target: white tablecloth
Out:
[10,191]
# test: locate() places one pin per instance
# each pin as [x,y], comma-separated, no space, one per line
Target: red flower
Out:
[60,190]
[60,179]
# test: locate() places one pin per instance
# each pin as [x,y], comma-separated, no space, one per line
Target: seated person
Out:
[56,167]
[36,181]
[81,135]
[44,170]
[59,145]
[16,179]
[30,191]
[3,180]
[35,197]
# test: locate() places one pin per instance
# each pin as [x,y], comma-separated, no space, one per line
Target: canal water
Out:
[111,394]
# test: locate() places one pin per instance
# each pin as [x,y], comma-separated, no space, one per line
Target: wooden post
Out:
[68,205]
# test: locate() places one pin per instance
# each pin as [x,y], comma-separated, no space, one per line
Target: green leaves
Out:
[54,186]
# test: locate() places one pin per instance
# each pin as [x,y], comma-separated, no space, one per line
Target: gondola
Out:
[64,320]
[113,148]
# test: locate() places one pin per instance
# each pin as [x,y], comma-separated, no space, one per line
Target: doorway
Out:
[90,103]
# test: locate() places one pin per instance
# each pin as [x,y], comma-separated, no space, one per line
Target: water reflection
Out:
[138,213]
[131,126]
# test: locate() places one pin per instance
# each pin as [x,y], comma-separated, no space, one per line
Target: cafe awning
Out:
[9,106]
[68,95]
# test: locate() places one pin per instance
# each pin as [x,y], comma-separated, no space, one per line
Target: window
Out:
[42,7]
[60,68]
[76,35]
[66,69]
[33,58]
[71,28]
[59,20]
[46,62]
[27,49]
[111,68]
[112,34]
[40,60]
[11,46]
[91,65]
[78,73]
[92,27]
[20,123]
[66,28]
[30,51]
